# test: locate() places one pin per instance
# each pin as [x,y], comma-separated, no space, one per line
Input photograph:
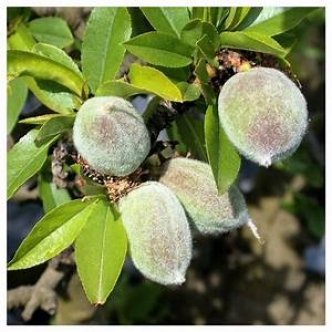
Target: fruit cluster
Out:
[264,115]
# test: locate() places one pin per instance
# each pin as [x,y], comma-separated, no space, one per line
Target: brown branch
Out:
[43,293]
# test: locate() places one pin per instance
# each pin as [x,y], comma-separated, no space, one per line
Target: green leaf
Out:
[251,41]
[224,160]
[22,63]
[190,92]
[160,49]
[56,54]
[24,160]
[54,127]
[17,93]
[156,82]
[167,19]
[55,232]
[201,72]
[38,120]
[50,194]
[282,22]
[208,50]
[100,251]
[236,16]
[102,49]
[53,95]
[21,39]
[120,89]
[51,30]
[151,108]
[189,131]
[196,29]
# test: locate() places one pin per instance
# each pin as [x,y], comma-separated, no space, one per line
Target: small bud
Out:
[158,233]
[264,114]
[111,136]
[193,183]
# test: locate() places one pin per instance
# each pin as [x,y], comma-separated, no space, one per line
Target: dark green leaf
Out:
[281,22]
[51,30]
[160,49]
[201,72]
[208,50]
[102,49]
[196,29]
[21,39]
[54,95]
[188,129]
[100,251]
[17,93]
[29,64]
[24,160]
[54,127]
[167,19]
[120,89]
[55,232]
[251,41]
[176,74]
[223,158]
[151,108]
[50,194]
[236,16]
[38,120]
[156,82]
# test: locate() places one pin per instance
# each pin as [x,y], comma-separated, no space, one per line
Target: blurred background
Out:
[232,278]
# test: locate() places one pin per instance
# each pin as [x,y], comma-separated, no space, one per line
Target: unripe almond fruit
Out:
[111,136]
[158,233]
[193,183]
[263,113]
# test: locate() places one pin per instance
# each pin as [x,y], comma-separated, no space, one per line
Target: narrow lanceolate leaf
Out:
[22,63]
[24,160]
[50,194]
[236,16]
[39,119]
[196,29]
[155,82]
[167,19]
[102,49]
[55,96]
[100,251]
[17,93]
[223,158]
[119,89]
[56,54]
[160,49]
[21,39]
[281,22]
[189,131]
[55,232]
[54,127]
[51,30]
[251,41]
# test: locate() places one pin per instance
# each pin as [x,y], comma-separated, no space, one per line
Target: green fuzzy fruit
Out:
[193,183]
[111,136]
[264,114]
[158,233]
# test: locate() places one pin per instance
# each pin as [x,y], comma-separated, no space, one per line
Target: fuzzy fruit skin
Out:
[158,233]
[193,183]
[111,136]
[263,113]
